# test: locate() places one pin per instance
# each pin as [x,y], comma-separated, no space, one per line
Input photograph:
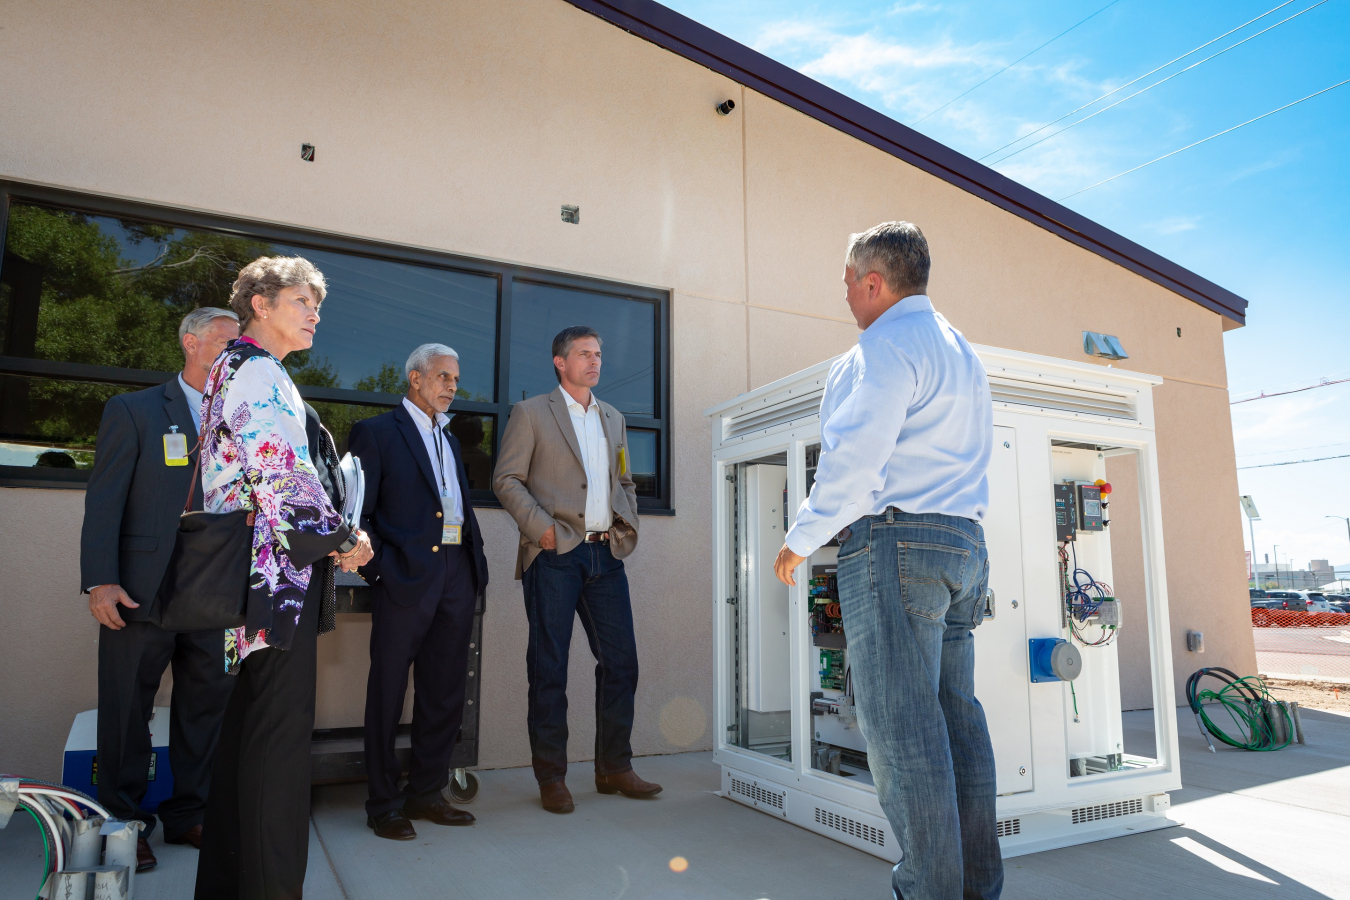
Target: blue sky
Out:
[1263,211]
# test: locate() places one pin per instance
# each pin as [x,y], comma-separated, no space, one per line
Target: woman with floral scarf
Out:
[256,455]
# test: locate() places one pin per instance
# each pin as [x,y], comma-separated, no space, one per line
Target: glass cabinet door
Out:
[758,626]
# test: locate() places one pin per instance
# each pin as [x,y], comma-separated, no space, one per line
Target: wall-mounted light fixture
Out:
[571,214]
[725,107]
[307,152]
[1107,346]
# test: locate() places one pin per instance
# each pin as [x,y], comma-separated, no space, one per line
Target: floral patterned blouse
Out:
[255,455]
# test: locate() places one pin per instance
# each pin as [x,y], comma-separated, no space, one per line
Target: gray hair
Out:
[897,251]
[420,358]
[268,276]
[197,321]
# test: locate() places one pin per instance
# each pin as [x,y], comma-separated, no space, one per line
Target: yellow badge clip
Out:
[623,460]
[175,448]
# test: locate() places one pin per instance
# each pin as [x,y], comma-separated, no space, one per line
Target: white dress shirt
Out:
[442,457]
[906,421]
[590,429]
[194,402]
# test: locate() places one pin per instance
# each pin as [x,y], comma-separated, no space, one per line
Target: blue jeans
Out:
[911,589]
[587,582]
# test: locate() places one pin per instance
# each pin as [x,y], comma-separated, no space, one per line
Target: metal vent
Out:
[776,414]
[850,827]
[1009,827]
[1085,814]
[1079,400]
[752,791]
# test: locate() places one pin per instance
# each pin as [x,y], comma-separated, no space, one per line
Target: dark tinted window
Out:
[92,291]
[627,330]
[48,423]
[111,291]
[377,311]
[643,449]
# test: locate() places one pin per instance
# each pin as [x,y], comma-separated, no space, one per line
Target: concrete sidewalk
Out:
[1259,825]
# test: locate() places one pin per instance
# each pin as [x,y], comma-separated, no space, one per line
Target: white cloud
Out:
[1275,162]
[1175,224]
[901,9]
[910,77]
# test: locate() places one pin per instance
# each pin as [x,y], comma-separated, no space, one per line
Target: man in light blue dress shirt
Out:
[906,436]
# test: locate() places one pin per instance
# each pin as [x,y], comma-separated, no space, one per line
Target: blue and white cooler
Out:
[80,768]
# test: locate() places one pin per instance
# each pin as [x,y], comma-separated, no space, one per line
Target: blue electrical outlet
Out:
[1054,659]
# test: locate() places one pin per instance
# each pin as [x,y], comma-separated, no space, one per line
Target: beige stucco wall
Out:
[462,126]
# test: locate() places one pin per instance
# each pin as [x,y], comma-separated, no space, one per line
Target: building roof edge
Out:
[698,43]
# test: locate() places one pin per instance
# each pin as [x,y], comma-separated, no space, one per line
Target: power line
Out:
[1295,449]
[1135,81]
[1296,462]
[1154,84]
[1013,63]
[1198,143]
[1309,387]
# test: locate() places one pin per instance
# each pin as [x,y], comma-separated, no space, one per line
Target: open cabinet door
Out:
[1001,677]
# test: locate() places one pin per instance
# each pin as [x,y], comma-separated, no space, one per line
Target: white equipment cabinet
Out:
[1068,771]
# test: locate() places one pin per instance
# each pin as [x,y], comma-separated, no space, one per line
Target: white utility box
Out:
[1070,560]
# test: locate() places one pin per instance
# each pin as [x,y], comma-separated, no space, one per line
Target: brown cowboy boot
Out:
[556,797]
[626,783]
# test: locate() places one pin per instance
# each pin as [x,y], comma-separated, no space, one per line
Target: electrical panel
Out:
[827,622]
[1066,518]
[1089,507]
[832,670]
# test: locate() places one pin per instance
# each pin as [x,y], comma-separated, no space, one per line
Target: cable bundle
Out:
[54,807]
[1083,597]
[1262,722]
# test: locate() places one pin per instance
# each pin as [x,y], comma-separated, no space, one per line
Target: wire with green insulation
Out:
[46,848]
[1253,713]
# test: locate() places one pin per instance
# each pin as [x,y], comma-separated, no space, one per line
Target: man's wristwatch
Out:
[349,544]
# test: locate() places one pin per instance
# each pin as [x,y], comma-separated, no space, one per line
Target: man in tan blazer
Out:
[564,476]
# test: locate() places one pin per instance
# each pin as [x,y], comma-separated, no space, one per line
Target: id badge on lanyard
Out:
[175,448]
[451,531]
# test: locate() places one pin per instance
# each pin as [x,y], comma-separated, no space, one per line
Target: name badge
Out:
[450,529]
[175,448]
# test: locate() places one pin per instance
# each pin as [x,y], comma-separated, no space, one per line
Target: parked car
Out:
[1256,593]
[1339,602]
[1301,601]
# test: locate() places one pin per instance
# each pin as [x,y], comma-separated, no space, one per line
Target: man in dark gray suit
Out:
[131,508]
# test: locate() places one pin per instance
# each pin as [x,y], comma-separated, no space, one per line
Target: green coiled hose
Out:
[1256,716]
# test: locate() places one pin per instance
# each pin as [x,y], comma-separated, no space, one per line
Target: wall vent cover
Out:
[850,827]
[1009,827]
[1062,398]
[751,790]
[773,413]
[1084,814]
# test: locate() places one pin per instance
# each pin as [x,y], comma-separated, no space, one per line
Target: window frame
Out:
[505,273]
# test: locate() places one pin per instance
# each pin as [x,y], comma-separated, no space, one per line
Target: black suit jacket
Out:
[402,500]
[134,499]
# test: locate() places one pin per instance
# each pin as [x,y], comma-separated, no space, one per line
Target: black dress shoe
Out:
[393,825]
[440,812]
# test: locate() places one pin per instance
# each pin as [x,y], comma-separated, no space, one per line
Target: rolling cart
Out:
[339,753]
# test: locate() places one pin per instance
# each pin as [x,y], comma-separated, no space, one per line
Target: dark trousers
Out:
[587,582]
[433,637]
[131,662]
[255,842]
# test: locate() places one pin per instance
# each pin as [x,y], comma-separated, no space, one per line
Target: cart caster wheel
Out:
[463,794]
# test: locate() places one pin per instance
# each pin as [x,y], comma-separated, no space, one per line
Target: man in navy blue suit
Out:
[427,571]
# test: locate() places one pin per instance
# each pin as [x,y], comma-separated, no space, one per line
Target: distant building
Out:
[1318,573]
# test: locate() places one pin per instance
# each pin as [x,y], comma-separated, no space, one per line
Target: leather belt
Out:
[596,537]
